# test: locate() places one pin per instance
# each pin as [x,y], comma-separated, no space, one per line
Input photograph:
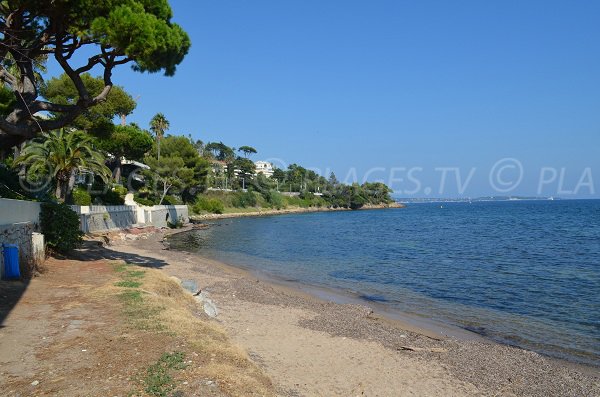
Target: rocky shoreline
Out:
[298,210]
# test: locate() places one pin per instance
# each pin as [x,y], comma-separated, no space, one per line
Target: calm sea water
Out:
[526,273]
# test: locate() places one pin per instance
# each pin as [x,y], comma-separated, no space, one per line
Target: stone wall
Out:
[19,224]
[30,243]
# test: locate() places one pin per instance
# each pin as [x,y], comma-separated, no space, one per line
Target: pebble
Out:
[35,383]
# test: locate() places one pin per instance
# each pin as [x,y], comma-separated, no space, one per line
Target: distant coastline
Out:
[298,210]
[471,200]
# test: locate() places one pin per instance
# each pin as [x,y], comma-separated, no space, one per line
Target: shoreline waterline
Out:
[435,263]
[318,345]
[289,211]
[401,321]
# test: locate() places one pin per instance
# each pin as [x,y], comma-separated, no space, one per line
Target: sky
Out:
[435,98]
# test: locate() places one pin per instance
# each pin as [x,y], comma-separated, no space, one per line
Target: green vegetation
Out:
[58,155]
[127,141]
[159,124]
[310,191]
[206,204]
[81,196]
[107,33]
[96,120]
[60,226]
[128,284]
[158,380]
[139,313]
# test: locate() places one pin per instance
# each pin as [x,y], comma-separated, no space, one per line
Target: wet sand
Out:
[312,344]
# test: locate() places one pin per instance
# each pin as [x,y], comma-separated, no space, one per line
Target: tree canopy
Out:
[113,32]
[247,150]
[97,120]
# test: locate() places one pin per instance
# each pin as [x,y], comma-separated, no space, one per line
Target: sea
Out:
[524,273]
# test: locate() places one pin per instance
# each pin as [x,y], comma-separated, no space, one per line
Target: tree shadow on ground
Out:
[93,250]
[10,294]
[12,291]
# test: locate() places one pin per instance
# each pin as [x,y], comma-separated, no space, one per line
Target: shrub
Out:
[120,190]
[80,196]
[114,196]
[60,226]
[275,199]
[211,205]
[244,199]
[143,201]
[171,200]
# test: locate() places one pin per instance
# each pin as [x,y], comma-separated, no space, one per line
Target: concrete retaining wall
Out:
[18,211]
[97,218]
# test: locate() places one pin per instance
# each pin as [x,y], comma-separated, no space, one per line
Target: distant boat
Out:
[551,198]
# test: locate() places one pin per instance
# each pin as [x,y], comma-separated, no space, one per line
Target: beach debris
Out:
[35,383]
[423,349]
[190,285]
[198,293]
[208,305]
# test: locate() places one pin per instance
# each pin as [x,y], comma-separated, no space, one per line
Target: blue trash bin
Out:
[11,261]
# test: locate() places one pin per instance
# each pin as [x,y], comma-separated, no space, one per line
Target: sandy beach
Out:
[313,347]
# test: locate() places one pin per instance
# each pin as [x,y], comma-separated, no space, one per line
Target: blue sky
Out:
[421,86]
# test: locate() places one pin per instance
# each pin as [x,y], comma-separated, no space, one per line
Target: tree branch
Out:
[8,78]
[39,106]
[73,75]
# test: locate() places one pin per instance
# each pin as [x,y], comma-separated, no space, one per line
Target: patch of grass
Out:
[128,284]
[131,298]
[158,380]
[140,314]
[135,274]
[119,267]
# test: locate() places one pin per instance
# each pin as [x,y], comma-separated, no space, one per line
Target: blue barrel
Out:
[11,261]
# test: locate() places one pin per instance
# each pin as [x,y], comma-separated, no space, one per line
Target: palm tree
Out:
[159,124]
[60,155]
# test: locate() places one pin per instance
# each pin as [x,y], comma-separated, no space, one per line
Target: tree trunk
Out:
[70,185]
[59,189]
[118,171]
[166,188]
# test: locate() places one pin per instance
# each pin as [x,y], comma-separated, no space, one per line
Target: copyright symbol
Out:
[506,174]
[277,163]
[38,185]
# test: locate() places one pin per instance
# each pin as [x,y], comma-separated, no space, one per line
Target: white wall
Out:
[18,211]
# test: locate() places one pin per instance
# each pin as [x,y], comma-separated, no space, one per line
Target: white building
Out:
[264,167]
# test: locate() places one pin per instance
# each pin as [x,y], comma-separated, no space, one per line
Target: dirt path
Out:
[71,334]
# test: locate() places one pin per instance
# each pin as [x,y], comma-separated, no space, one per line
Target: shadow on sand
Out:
[92,251]
[10,294]
[12,291]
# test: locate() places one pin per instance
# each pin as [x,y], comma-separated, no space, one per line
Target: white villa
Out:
[264,167]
